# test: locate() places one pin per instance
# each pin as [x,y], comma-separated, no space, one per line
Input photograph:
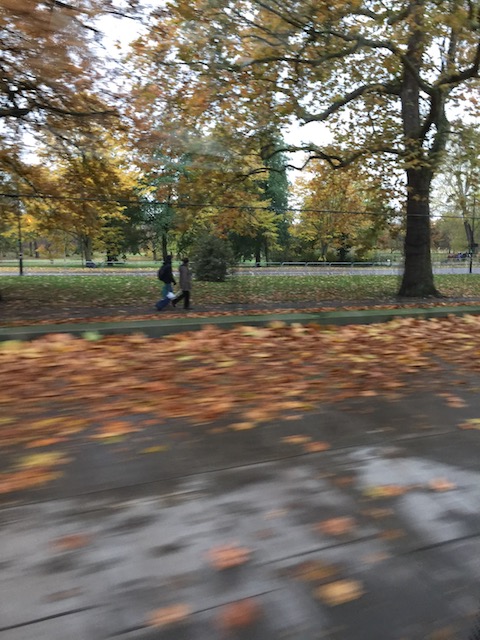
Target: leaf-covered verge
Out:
[60,391]
[39,298]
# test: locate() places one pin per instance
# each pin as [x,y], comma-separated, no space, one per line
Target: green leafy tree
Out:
[212,258]
[277,190]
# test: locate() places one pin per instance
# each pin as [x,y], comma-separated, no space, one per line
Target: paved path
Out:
[122,535]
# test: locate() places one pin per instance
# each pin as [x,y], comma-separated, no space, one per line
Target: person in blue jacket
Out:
[165,275]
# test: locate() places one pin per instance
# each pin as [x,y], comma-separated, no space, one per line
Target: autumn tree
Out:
[457,187]
[341,209]
[198,179]
[381,75]
[225,185]
[84,186]
[52,74]
[54,79]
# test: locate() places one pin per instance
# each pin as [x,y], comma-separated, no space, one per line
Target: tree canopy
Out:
[51,72]
[209,91]
[380,74]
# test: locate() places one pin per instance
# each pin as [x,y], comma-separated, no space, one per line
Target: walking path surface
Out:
[251,534]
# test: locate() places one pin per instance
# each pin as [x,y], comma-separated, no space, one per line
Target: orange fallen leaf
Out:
[26,479]
[373,558]
[441,484]
[455,402]
[340,592]
[343,481]
[316,447]
[315,570]
[392,534]
[243,426]
[378,513]
[113,430]
[228,556]
[336,526]
[39,460]
[74,541]
[296,439]
[385,491]
[473,423]
[168,616]
[238,615]
[45,442]
[160,448]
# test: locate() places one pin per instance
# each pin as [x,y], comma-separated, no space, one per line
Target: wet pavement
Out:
[249,534]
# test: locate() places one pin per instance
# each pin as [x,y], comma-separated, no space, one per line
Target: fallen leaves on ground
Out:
[453,401]
[315,571]
[169,616]
[228,556]
[336,526]
[296,439]
[441,484]
[473,423]
[385,491]
[239,615]
[72,541]
[340,592]
[316,447]
[60,388]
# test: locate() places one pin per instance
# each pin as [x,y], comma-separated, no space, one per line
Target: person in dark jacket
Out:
[185,285]
[165,274]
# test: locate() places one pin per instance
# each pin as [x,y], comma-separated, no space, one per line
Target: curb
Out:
[158,329]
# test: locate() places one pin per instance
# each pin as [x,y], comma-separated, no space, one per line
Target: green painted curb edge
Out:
[159,328]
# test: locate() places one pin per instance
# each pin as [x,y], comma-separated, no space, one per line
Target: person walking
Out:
[165,274]
[185,284]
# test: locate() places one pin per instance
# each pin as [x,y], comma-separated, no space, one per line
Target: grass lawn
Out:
[96,291]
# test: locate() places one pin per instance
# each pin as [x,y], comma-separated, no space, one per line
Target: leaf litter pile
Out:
[60,388]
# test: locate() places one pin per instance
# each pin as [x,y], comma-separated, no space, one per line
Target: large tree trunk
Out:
[87,247]
[418,275]
[164,246]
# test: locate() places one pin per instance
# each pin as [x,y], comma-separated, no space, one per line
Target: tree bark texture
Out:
[418,275]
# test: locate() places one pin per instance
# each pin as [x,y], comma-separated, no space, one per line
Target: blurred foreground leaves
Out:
[59,387]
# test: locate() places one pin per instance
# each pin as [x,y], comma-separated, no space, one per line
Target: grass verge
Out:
[97,291]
